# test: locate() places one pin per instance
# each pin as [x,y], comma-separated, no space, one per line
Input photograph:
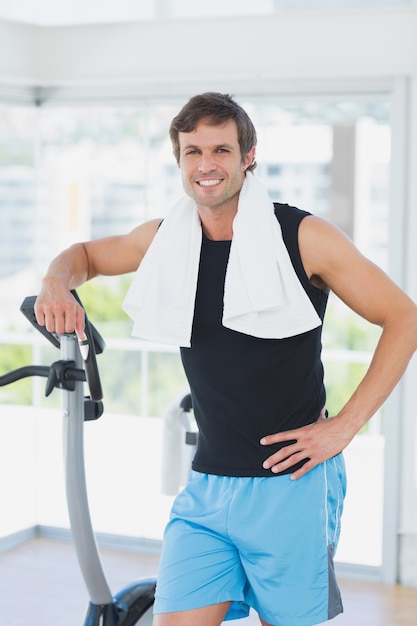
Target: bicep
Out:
[362,285]
[120,254]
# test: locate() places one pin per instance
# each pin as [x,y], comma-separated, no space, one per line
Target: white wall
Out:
[18,474]
[123,473]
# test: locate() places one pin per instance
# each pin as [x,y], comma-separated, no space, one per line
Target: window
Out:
[101,170]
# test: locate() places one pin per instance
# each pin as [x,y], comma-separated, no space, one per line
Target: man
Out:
[258,523]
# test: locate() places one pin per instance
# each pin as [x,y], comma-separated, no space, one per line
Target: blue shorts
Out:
[266,543]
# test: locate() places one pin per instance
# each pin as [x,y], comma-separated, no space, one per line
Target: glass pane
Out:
[103,167]
[17,189]
[17,239]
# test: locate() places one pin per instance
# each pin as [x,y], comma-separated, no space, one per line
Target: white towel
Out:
[263,296]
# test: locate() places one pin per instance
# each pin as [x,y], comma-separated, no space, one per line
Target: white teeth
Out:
[208,183]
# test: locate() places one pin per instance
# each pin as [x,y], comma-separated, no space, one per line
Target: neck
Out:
[218,228]
[217,222]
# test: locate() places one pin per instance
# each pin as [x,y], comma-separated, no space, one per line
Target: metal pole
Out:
[76,490]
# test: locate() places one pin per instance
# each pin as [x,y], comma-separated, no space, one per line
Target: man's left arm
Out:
[327,253]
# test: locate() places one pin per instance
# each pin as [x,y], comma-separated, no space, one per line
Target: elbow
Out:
[410,323]
[402,326]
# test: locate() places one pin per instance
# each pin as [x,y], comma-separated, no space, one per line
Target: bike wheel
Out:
[137,602]
[145,619]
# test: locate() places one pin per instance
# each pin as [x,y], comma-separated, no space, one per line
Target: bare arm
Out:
[55,306]
[327,253]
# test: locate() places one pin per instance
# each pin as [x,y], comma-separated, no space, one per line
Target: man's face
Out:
[211,165]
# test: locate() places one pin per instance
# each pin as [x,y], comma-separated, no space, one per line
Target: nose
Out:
[207,163]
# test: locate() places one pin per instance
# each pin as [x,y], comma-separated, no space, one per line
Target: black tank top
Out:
[243,387]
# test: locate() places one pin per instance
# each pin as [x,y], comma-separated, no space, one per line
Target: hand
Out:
[57,310]
[316,442]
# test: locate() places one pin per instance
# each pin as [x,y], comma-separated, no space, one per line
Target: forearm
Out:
[55,306]
[325,438]
[395,348]
[69,269]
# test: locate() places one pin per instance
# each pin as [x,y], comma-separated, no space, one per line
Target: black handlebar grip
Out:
[88,352]
[92,345]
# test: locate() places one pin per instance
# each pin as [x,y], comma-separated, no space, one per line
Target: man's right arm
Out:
[55,306]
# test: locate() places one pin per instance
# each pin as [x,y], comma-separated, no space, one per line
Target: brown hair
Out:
[216,109]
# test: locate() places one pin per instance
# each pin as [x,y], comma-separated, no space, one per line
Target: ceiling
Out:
[73,12]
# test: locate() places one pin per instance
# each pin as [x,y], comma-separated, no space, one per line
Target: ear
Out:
[176,160]
[248,160]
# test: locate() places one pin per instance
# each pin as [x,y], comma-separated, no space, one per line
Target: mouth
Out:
[209,182]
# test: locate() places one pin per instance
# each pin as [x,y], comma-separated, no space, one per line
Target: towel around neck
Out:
[263,296]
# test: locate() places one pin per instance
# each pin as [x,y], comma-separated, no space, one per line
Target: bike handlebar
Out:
[92,345]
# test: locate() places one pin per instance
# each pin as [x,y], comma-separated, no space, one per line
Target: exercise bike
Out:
[133,604]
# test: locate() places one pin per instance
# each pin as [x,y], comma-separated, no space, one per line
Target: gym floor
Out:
[40,585]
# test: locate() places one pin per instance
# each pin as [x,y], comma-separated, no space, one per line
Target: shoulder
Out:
[326,251]
[142,236]
[289,219]
[322,242]
[120,254]
[317,234]
[329,254]
[287,214]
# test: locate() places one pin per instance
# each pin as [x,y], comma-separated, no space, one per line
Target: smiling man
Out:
[240,285]
[213,170]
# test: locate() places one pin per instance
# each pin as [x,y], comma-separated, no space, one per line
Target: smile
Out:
[209,183]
